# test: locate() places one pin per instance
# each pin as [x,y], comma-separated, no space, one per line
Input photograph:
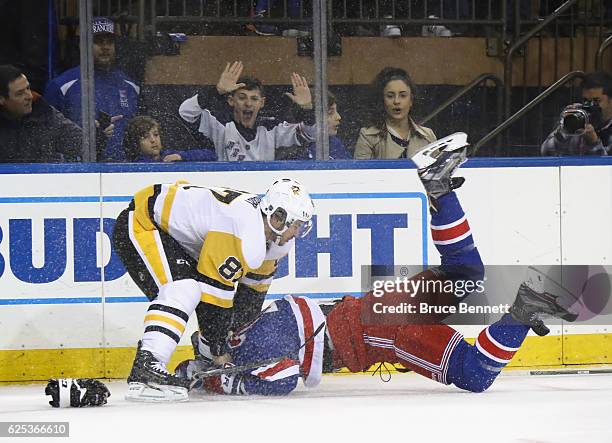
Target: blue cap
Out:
[102,25]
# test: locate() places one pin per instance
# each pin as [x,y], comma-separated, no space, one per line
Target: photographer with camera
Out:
[585,128]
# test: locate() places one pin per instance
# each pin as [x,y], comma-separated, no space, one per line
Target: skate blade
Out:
[154,393]
[428,155]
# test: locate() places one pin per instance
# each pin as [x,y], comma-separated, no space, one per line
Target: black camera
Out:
[575,117]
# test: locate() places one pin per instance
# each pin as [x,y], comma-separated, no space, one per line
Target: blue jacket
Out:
[189,155]
[116,94]
[337,150]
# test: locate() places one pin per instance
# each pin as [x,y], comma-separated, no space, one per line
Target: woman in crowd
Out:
[391,132]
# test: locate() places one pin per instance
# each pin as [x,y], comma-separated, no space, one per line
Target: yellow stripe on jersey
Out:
[178,325]
[141,204]
[268,267]
[165,216]
[217,301]
[260,278]
[221,258]
[149,243]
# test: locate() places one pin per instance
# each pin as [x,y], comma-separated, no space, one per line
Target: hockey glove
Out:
[78,392]
[224,384]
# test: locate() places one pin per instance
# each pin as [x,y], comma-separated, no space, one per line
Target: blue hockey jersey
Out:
[116,94]
[281,329]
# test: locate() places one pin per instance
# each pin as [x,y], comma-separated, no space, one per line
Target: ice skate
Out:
[150,381]
[437,162]
[532,302]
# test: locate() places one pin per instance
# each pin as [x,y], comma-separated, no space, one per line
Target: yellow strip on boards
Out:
[41,364]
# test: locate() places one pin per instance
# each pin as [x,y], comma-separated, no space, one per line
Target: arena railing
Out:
[481,80]
[567,78]
[607,43]
[563,42]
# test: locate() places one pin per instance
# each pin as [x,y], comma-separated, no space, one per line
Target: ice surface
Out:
[351,409]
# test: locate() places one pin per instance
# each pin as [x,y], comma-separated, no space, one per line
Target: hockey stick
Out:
[242,368]
[572,372]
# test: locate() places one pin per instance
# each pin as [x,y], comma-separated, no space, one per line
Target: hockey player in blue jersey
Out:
[116,94]
[352,340]
[287,339]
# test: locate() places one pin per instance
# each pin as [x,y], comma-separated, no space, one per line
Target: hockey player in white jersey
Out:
[188,248]
[246,137]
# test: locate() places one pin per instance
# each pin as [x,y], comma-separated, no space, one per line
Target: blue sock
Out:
[474,368]
[453,238]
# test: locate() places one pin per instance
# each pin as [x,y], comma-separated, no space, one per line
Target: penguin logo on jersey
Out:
[295,189]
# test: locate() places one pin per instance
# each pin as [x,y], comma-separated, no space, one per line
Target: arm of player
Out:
[224,260]
[275,379]
[251,293]
[247,305]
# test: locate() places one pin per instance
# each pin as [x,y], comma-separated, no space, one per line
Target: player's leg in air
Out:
[438,351]
[350,322]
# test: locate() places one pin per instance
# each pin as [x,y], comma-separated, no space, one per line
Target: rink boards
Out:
[68,308]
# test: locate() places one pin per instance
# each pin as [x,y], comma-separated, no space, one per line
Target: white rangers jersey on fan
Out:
[230,145]
[221,228]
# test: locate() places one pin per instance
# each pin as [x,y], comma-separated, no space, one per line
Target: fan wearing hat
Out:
[116,94]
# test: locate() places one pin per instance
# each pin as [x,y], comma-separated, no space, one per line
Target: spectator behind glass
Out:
[294,8]
[142,143]
[28,33]
[246,137]
[116,94]
[594,138]
[337,150]
[31,131]
[392,133]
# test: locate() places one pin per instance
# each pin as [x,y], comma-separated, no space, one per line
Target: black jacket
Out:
[43,136]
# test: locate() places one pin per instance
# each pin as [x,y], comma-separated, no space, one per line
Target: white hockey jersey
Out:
[220,228]
[230,145]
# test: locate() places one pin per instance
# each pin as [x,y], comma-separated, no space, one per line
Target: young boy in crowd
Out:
[142,143]
[246,137]
[337,150]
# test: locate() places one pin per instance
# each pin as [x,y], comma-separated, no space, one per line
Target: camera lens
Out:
[573,123]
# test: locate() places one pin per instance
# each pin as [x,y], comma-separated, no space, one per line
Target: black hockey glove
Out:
[77,392]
